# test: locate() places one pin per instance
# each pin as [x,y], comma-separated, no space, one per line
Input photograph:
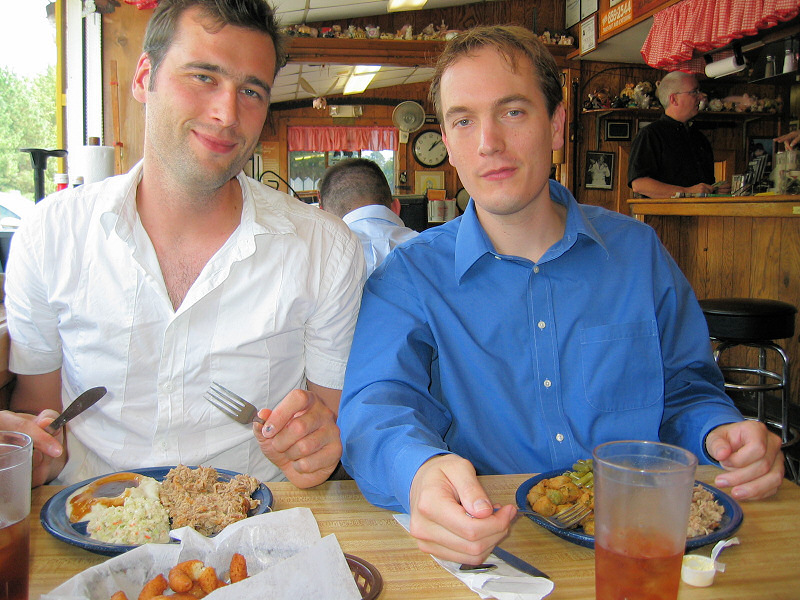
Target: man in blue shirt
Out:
[518,337]
[356,191]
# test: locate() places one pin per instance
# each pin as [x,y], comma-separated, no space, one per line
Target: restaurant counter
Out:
[718,206]
[765,564]
[734,247]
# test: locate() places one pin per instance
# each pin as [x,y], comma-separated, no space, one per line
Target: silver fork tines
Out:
[569,518]
[232,404]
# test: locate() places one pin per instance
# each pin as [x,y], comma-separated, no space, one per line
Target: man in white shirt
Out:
[183,272]
[356,190]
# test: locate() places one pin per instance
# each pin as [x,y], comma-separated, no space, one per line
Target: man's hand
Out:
[451,515]
[301,437]
[48,451]
[752,457]
[700,188]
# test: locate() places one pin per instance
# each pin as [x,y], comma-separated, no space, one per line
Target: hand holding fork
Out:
[299,436]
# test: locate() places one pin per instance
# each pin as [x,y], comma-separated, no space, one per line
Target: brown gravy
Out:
[106,491]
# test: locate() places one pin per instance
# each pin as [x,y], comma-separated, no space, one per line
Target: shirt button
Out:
[536,269]
[541,325]
[497,257]
[559,437]
[168,387]
[547,383]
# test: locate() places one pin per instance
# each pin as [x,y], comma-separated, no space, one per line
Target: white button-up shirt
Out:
[379,230]
[274,307]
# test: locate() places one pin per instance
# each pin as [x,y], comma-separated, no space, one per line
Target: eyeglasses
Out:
[695,92]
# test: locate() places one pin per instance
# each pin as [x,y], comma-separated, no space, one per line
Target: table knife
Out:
[80,404]
[518,563]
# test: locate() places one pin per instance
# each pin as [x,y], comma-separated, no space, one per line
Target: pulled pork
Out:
[197,498]
[705,513]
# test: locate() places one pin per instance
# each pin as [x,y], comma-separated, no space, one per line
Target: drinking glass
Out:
[643,491]
[15,505]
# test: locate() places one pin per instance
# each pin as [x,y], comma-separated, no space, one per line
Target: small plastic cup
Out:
[643,491]
[15,505]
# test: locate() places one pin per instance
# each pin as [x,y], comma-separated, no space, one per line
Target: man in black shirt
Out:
[671,156]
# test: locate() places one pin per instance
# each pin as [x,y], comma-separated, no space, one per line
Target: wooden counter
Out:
[764,565]
[742,246]
[718,206]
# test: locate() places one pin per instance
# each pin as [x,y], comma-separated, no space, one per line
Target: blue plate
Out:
[56,523]
[731,518]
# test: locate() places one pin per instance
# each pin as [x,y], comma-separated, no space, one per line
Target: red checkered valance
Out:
[311,139]
[703,25]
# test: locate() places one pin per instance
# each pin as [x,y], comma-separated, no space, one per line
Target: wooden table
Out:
[765,565]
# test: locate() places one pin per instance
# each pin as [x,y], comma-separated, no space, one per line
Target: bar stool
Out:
[756,323]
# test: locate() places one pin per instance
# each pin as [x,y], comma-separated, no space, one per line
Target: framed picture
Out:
[588,7]
[599,170]
[572,12]
[642,123]
[424,180]
[588,39]
[758,147]
[618,130]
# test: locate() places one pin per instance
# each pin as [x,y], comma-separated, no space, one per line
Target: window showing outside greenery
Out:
[307,168]
[27,103]
[27,120]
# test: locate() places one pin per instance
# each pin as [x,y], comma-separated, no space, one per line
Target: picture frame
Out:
[599,170]
[572,13]
[424,180]
[756,146]
[617,130]
[588,7]
[588,38]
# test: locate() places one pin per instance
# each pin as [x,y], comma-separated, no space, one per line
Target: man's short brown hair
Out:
[251,14]
[512,42]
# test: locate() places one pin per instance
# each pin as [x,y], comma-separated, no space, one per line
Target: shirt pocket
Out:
[622,366]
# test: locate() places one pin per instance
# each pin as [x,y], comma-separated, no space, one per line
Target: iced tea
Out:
[636,566]
[14,552]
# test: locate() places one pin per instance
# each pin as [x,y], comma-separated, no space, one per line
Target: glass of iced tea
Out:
[642,495]
[15,504]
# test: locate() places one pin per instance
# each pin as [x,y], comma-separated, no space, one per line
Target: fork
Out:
[232,404]
[566,519]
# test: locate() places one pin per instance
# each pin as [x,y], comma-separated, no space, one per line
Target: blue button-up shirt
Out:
[524,367]
[379,230]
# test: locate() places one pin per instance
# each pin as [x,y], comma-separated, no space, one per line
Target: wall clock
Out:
[429,149]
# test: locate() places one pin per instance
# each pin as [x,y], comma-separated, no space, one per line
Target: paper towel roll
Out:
[726,66]
[95,163]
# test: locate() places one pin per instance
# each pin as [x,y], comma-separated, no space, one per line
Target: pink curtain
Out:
[328,139]
[703,25]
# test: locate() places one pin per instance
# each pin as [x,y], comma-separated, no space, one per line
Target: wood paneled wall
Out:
[747,257]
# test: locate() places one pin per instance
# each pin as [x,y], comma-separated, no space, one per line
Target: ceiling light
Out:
[396,5]
[360,78]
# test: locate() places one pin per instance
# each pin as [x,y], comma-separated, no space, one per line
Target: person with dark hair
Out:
[356,191]
[672,156]
[522,334]
[185,272]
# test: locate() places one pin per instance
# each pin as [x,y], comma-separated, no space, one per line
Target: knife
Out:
[518,563]
[80,404]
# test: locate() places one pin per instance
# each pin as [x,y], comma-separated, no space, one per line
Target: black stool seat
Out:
[748,319]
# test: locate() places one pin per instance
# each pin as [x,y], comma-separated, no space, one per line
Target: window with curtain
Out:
[314,149]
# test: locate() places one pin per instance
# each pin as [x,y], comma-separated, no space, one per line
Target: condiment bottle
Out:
[789,61]
[77,181]
[61,180]
[769,69]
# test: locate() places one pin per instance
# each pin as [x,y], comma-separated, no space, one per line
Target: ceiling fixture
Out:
[397,5]
[360,78]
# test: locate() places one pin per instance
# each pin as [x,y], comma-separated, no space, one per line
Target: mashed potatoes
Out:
[139,521]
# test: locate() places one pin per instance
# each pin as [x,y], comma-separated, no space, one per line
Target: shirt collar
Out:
[472,242]
[373,211]
[119,209]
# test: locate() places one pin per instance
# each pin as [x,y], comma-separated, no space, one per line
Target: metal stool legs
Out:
[765,381]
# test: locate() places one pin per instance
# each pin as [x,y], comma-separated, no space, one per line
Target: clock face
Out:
[429,149]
